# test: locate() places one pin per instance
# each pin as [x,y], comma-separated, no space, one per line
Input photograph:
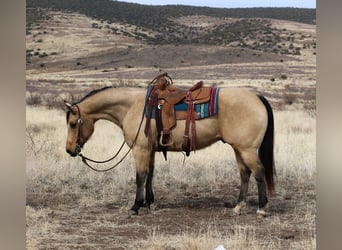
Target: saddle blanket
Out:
[203,110]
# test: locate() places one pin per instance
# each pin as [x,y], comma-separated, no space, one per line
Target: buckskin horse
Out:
[244,120]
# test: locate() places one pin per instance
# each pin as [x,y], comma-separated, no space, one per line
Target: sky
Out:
[232,3]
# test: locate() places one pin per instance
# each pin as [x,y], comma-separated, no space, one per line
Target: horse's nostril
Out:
[73,154]
[78,149]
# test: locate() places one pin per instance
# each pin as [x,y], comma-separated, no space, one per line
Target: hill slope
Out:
[132,34]
[160,21]
[76,41]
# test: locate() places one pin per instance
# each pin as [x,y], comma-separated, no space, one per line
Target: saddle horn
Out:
[165,74]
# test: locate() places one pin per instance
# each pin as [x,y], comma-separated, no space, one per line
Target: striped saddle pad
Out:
[202,111]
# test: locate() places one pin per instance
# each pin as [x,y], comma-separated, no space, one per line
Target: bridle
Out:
[79,131]
[86,159]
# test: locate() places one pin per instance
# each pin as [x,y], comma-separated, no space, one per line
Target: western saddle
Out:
[163,97]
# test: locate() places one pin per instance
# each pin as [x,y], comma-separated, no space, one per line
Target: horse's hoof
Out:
[237,210]
[152,207]
[147,205]
[239,207]
[261,213]
[134,210]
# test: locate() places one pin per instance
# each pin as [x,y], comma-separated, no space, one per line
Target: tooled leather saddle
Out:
[162,97]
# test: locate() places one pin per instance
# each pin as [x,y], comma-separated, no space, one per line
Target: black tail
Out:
[266,148]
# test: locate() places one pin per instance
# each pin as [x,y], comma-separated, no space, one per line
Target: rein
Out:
[79,136]
[86,159]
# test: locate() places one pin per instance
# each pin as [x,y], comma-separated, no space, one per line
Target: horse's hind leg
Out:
[250,159]
[245,174]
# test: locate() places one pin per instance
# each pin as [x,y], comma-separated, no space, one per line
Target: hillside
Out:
[158,24]
[132,34]
[68,48]
[71,36]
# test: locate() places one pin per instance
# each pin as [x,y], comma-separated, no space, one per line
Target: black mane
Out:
[93,92]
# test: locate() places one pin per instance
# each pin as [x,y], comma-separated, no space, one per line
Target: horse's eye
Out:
[73,125]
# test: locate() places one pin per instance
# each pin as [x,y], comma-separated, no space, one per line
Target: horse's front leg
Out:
[149,190]
[142,159]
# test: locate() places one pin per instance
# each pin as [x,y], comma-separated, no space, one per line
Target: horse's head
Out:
[80,128]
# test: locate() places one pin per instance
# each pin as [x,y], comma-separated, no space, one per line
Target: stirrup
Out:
[165,144]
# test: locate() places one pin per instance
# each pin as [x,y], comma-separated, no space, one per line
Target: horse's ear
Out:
[70,107]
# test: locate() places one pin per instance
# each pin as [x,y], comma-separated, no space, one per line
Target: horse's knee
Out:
[245,174]
[259,174]
[140,178]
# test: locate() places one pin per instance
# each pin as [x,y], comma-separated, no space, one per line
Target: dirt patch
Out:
[306,29]
[110,225]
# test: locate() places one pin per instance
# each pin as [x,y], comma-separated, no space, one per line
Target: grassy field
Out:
[69,205]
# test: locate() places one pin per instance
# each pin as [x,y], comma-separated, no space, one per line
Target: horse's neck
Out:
[112,104]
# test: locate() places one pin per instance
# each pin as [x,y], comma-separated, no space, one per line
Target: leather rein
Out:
[79,136]
[86,159]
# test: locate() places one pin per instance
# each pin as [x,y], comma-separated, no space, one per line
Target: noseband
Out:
[85,159]
[79,131]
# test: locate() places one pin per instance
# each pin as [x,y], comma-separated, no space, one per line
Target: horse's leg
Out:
[245,174]
[251,159]
[139,198]
[149,190]
[142,159]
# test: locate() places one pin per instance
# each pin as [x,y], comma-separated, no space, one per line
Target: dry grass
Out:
[71,207]
[242,237]
[60,188]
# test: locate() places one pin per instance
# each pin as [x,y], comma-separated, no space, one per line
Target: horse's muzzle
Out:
[76,152]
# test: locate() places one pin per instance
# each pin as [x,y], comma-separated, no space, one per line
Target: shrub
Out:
[283,77]
[33,99]
[43,55]
[289,98]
